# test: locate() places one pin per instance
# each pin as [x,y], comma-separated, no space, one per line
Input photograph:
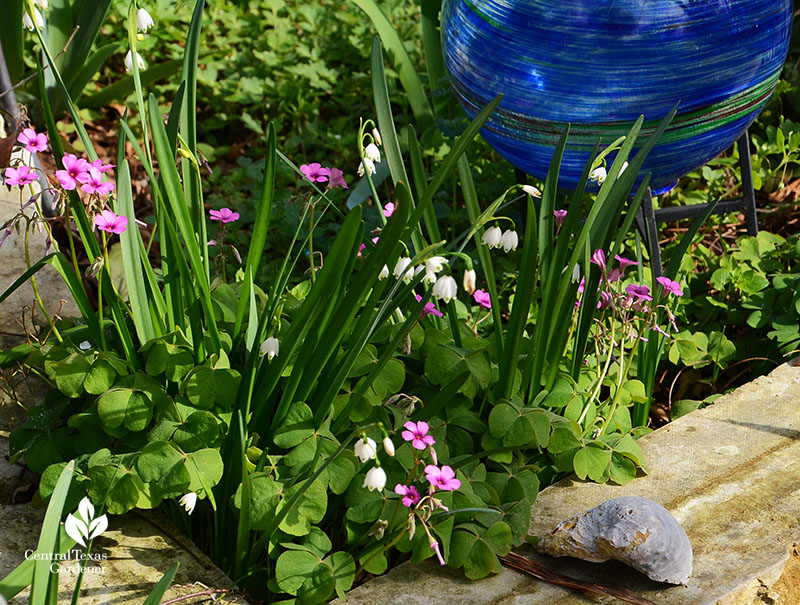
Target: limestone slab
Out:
[729,474]
[135,551]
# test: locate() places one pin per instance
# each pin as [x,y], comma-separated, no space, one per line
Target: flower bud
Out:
[270,347]
[532,191]
[469,281]
[388,446]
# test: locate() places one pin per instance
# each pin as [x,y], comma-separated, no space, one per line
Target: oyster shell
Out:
[636,531]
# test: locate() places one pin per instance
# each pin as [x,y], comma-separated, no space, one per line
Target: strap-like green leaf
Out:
[405,68]
[49,536]
[155,596]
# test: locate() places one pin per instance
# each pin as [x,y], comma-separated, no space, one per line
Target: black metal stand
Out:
[647,218]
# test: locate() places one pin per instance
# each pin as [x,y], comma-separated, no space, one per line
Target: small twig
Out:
[205,593]
[33,75]
[540,572]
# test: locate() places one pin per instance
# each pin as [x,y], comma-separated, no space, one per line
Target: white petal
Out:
[98,526]
[86,510]
[75,529]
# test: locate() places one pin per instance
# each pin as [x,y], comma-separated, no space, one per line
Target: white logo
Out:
[85,525]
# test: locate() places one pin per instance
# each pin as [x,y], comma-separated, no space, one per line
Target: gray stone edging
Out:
[729,473]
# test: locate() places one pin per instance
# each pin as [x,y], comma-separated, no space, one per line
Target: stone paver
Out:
[729,473]
[140,548]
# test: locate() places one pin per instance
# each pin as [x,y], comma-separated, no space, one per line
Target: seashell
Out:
[636,531]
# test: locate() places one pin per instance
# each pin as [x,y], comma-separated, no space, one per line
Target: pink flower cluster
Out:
[88,174]
[439,478]
[636,298]
[316,173]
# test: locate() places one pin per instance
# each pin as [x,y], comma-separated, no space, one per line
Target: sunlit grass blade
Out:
[12,34]
[535,357]
[155,596]
[405,68]
[22,575]
[125,86]
[650,352]
[89,16]
[386,355]
[328,278]
[258,238]
[192,188]
[75,205]
[48,538]
[174,117]
[68,103]
[420,183]
[131,261]
[523,297]
[484,257]
[77,82]
[243,526]
[189,76]
[385,252]
[451,161]
[179,207]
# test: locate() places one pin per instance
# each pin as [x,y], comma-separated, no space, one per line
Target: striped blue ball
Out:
[600,64]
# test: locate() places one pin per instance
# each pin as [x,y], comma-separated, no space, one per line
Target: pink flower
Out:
[639,292]
[417,434]
[483,299]
[33,141]
[624,262]
[98,163]
[93,183]
[75,170]
[430,308]
[337,178]
[224,215]
[605,300]
[443,478]
[388,210]
[315,172]
[614,275]
[670,287]
[19,176]
[560,216]
[107,220]
[599,259]
[409,493]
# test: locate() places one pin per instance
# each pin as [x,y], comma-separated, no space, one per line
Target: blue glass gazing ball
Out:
[600,64]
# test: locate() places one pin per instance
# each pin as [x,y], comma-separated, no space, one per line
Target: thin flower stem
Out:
[311,242]
[103,342]
[624,369]
[602,375]
[34,286]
